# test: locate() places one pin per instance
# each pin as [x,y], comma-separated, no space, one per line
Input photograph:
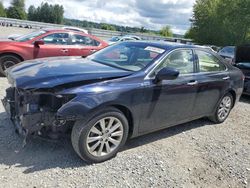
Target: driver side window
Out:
[181,60]
[56,38]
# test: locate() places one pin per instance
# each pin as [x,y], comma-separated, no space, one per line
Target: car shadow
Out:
[39,154]
[167,132]
[245,99]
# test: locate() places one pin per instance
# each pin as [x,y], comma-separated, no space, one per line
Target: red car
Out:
[47,43]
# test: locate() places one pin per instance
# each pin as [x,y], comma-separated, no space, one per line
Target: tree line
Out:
[165,31]
[220,22]
[43,13]
[54,14]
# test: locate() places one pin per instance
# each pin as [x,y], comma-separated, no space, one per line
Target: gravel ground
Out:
[196,154]
[6,31]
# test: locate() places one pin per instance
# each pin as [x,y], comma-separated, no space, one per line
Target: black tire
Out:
[82,129]
[215,118]
[7,61]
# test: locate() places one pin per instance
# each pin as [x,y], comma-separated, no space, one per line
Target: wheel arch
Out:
[128,115]
[71,109]
[124,109]
[233,93]
[13,54]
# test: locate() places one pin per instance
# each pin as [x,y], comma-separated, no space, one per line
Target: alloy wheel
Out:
[8,64]
[224,108]
[105,136]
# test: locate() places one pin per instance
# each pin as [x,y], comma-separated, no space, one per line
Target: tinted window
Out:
[84,40]
[208,62]
[129,56]
[57,38]
[182,60]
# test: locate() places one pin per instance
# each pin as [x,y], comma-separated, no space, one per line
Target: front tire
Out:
[7,61]
[102,137]
[223,109]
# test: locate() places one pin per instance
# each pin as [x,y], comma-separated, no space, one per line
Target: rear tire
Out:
[7,61]
[223,109]
[100,138]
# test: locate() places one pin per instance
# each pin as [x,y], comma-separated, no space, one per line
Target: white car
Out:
[116,39]
[76,29]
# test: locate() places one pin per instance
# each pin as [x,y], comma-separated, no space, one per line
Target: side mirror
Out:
[38,43]
[166,74]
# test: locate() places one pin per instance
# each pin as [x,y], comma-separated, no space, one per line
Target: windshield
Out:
[114,39]
[30,36]
[129,56]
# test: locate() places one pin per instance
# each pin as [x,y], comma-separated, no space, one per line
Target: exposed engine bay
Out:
[35,113]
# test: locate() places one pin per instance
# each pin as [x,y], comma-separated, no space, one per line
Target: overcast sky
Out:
[152,14]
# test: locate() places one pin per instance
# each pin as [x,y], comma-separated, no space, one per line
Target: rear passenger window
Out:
[208,62]
[84,40]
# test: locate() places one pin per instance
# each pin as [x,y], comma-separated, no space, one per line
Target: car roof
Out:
[61,30]
[167,45]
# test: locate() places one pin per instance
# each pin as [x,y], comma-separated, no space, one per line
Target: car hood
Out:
[59,71]
[6,41]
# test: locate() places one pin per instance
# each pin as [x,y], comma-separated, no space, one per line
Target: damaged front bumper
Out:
[31,112]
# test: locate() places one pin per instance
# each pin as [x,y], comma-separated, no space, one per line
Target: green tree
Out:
[107,27]
[32,13]
[166,31]
[46,13]
[17,10]
[2,10]
[58,12]
[189,34]
[142,30]
[221,22]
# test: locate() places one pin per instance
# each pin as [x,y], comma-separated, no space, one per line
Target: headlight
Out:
[32,107]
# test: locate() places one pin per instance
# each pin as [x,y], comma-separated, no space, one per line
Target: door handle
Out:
[192,83]
[64,50]
[226,78]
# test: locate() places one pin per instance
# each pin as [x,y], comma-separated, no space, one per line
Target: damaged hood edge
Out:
[61,72]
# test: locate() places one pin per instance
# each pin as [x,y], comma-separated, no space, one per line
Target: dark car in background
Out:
[227,52]
[123,91]
[242,61]
[47,43]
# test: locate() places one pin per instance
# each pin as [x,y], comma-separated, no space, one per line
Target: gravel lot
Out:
[6,31]
[196,154]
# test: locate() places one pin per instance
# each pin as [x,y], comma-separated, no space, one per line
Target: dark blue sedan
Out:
[123,91]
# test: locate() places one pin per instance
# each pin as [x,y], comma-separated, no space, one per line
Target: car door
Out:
[82,45]
[55,44]
[170,102]
[213,79]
